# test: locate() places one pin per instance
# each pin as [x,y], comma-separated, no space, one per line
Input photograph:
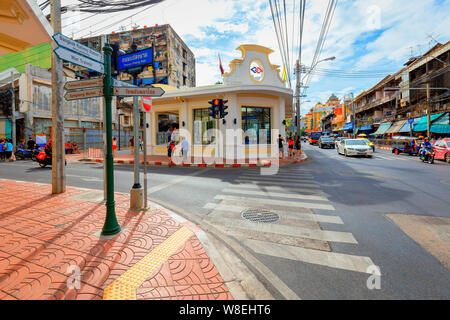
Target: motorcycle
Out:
[428,156]
[45,159]
[22,154]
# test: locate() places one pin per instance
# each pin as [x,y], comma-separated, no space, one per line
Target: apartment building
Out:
[173,61]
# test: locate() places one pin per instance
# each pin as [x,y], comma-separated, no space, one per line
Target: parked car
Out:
[354,147]
[326,142]
[442,149]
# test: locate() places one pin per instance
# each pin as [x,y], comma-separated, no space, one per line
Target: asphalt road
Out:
[331,225]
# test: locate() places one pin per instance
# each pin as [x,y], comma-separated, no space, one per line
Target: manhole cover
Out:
[260,215]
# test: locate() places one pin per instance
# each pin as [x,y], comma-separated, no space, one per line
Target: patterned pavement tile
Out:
[186,272]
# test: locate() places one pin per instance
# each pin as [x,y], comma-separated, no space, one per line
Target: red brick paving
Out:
[42,235]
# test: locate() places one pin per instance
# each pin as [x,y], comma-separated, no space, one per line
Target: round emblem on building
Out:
[257,70]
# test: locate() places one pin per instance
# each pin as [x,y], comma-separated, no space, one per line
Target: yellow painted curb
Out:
[124,287]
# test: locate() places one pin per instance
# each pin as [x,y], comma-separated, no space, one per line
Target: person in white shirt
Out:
[184,148]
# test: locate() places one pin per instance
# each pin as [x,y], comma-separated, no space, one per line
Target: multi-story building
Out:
[385,110]
[321,110]
[173,61]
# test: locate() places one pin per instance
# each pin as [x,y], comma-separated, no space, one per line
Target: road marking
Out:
[161,186]
[277,202]
[328,259]
[284,214]
[332,236]
[276,194]
[275,188]
[124,287]
[290,184]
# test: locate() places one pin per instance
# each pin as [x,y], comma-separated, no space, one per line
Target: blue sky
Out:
[364,35]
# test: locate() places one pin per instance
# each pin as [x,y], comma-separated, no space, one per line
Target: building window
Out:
[167,122]
[256,125]
[204,132]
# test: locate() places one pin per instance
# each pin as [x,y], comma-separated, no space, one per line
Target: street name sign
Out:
[84,94]
[80,60]
[150,92]
[118,83]
[75,46]
[410,121]
[135,59]
[83,84]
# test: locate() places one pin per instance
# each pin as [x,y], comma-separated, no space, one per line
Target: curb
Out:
[194,165]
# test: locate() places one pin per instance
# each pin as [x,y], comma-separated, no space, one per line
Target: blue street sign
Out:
[410,120]
[135,59]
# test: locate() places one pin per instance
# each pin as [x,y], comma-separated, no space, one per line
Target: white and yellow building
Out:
[257,99]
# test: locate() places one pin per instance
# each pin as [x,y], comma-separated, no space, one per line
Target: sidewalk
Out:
[128,158]
[50,248]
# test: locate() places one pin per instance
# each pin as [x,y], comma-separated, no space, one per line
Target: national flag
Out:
[220,66]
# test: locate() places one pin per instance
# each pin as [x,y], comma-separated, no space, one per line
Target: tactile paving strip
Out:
[124,287]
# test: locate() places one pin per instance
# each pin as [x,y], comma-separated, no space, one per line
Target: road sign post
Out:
[111,225]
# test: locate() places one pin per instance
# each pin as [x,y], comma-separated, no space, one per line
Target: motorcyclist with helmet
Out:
[426,144]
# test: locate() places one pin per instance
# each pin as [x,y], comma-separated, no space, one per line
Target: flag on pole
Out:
[284,73]
[220,66]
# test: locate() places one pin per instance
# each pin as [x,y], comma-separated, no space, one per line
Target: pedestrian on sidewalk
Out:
[75,147]
[170,148]
[8,151]
[298,146]
[281,146]
[291,147]
[184,148]
[114,146]
[69,149]
[141,143]
[131,143]
[2,149]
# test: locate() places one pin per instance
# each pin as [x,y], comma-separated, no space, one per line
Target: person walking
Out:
[184,148]
[170,147]
[2,149]
[298,146]
[114,146]
[280,145]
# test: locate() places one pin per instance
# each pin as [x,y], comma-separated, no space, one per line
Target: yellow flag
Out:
[284,73]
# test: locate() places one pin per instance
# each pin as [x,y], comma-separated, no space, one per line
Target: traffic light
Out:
[214,109]
[223,108]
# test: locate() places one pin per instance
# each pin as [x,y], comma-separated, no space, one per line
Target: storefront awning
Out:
[441,125]
[407,126]
[396,126]
[348,126]
[422,125]
[383,128]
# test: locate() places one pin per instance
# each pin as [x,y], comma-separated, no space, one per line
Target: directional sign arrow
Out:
[84,94]
[83,84]
[73,45]
[77,59]
[150,92]
[118,83]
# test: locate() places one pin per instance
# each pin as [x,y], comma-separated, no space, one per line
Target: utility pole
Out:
[13,105]
[354,118]
[298,73]
[428,109]
[58,151]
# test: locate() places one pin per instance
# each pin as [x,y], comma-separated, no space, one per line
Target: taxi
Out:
[364,137]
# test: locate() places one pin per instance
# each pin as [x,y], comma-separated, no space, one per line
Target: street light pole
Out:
[13,105]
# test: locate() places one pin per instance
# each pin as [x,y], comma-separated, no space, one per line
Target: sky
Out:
[364,35]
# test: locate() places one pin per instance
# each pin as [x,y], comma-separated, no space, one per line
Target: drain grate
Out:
[260,215]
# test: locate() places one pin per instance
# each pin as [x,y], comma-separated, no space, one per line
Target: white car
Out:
[354,147]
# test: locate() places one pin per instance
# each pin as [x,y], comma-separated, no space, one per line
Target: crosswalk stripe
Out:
[285,180]
[281,176]
[329,259]
[331,236]
[277,202]
[276,194]
[290,184]
[283,213]
[277,188]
